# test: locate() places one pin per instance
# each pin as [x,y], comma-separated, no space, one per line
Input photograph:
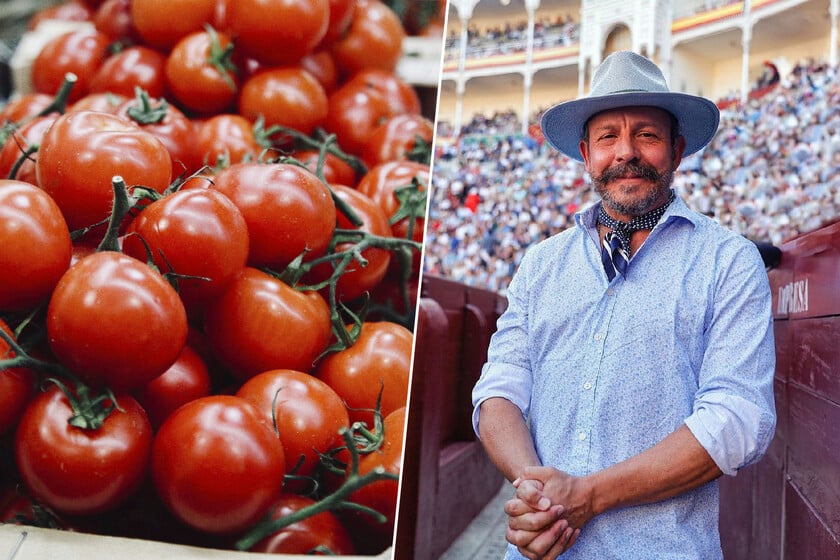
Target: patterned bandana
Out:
[623,230]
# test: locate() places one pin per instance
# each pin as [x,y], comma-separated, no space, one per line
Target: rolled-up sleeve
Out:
[734,415]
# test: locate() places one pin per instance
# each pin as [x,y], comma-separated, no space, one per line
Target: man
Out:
[634,363]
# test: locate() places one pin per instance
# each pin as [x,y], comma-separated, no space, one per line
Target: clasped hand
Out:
[547,512]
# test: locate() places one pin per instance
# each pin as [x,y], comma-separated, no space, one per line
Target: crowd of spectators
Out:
[511,38]
[771,173]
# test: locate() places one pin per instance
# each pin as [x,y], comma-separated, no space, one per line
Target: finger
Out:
[530,492]
[515,506]
[563,543]
[543,541]
[535,521]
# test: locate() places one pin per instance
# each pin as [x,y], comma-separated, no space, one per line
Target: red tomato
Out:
[320,531]
[63,11]
[278,32]
[341,15]
[114,321]
[169,125]
[287,208]
[225,139]
[401,96]
[217,464]
[402,137]
[308,414]
[260,323]
[29,219]
[353,114]
[335,169]
[322,67]
[103,102]
[17,387]
[133,67]
[24,107]
[162,23]
[379,360]
[81,52]
[81,153]
[113,18]
[373,40]
[196,232]
[188,379]
[357,279]
[200,75]
[370,536]
[79,471]
[25,138]
[289,97]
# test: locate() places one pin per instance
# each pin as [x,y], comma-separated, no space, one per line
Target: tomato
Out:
[169,125]
[357,279]
[196,232]
[81,52]
[287,208]
[114,321]
[379,360]
[353,112]
[373,40]
[133,67]
[36,246]
[103,102]
[308,414]
[341,15]
[278,32]
[186,380]
[25,138]
[200,74]
[381,183]
[289,97]
[84,150]
[260,323]
[334,169]
[162,23]
[113,18]
[371,537]
[79,471]
[402,137]
[17,387]
[401,96]
[320,531]
[62,11]
[24,107]
[225,139]
[217,464]
[322,67]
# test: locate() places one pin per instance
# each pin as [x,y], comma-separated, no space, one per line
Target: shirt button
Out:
[582,436]
[587,385]
[598,336]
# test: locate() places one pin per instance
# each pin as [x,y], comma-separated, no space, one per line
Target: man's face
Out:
[631,159]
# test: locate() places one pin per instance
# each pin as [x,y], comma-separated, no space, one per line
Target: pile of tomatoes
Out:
[211,218]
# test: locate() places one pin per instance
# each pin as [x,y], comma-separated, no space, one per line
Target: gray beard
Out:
[658,195]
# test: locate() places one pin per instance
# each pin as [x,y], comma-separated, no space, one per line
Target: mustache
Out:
[638,169]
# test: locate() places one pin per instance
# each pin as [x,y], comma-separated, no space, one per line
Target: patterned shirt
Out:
[604,370]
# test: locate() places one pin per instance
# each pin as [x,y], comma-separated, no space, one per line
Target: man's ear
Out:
[679,149]
[583,146]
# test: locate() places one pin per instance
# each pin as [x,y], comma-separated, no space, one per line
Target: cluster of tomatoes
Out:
[211,216]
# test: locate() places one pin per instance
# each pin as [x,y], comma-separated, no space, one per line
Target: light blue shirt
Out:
[603,371]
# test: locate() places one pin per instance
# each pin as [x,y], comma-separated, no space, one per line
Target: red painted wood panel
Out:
[815,361]
[806,536]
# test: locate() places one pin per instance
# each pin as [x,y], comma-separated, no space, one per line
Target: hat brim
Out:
[698,117]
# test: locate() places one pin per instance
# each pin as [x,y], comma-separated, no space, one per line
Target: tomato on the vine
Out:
[289,96]
[379,361]
[80,52]
[217,464]
[162,23]
[81,471]
[21,149]
[402,137]
[133,67]
[113,18]
[335,170]
[287,208]
[17,387]
[225,139]
[307,412]
[260,323]
[373,40]
[115,322]
[30,219]
[82,152]
[24,107]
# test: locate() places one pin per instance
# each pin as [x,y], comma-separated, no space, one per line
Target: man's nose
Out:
[626,149]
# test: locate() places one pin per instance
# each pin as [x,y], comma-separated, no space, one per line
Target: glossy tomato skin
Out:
[81,153]
[287,209]
[186,380]
[401,96]
[322,67]
[277,32]
[260,324]
[353,113]
[226,139]
[17,387]
[398,138]
[102,102]
[335,170]
[322,530]
[21,140]
[36,246]
[373,40]
[379,360]
[217,464]
[113,18]
[64,11]
[23,107]
[194,81]
[116,322]
[81,52]
[77,471]
[371,537]
[133,67]
[287,96]
[162,23]
[196,232]
[357,279]
[308,413]
[341,15]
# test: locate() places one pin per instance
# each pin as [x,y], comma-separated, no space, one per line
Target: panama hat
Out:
[627,79]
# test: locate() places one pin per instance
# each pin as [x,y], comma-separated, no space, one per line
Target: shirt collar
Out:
[588,217]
